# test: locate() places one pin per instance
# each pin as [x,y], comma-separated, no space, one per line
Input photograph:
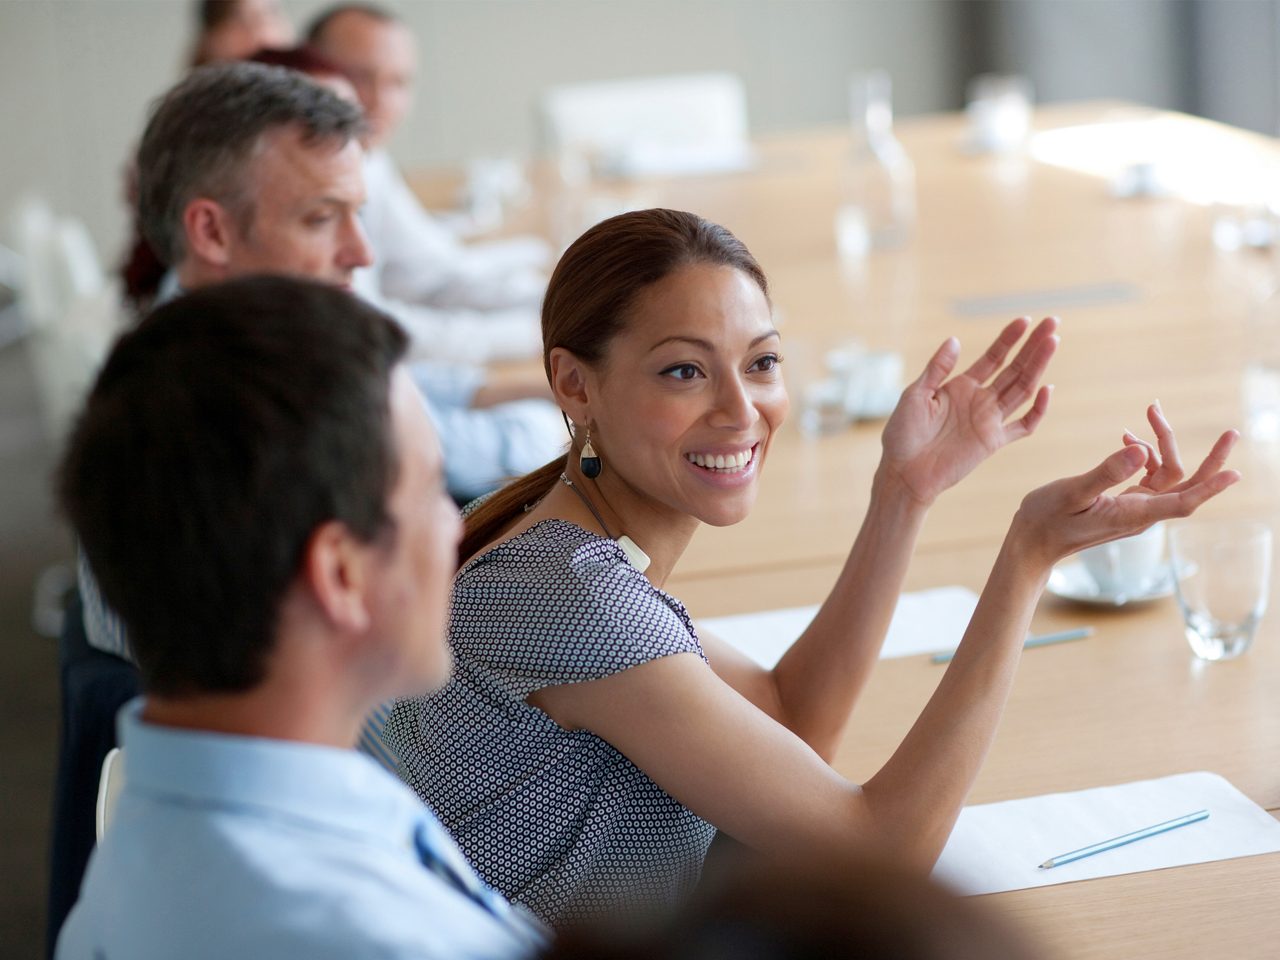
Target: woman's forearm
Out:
[916,797]
[820,677]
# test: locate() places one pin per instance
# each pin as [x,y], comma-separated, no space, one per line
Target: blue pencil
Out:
[1044,640]
[1127,838]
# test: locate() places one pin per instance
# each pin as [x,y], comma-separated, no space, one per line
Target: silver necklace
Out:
[638,558]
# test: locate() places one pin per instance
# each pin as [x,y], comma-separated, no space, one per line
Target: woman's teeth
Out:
[730,463]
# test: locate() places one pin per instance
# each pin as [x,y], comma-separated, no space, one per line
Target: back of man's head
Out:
[221,432]
[203,134]
[315,32]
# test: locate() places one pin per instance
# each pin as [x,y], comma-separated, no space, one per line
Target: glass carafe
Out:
[877,207]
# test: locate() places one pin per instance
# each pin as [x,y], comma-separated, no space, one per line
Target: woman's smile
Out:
[731,467]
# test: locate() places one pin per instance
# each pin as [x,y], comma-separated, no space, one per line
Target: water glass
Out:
[1222,571]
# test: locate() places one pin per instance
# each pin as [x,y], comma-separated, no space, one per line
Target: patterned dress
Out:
[557,820]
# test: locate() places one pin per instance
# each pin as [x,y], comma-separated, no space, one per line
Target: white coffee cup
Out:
[1127,567]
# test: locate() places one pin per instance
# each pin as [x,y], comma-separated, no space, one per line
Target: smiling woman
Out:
[590,743]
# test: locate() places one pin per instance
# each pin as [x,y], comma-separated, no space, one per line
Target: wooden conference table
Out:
[1158,312]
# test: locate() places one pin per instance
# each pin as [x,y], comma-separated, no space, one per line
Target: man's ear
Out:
[572,382]
[336,569]
[209,231]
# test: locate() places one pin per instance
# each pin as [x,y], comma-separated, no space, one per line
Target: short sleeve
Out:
[559,605]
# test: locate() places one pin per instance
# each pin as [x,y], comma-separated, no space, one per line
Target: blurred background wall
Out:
[76,78]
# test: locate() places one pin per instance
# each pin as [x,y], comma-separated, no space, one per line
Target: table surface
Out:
[1177,320]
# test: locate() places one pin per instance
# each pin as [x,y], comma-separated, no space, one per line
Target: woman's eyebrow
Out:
[695,341]
[706,344]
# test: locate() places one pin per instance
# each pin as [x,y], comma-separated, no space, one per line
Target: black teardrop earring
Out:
[589,462]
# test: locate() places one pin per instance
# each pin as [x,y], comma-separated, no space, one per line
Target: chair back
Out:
[72,310]
[652,126]
[109,787]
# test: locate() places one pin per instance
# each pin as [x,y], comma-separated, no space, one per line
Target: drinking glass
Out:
[1222,571]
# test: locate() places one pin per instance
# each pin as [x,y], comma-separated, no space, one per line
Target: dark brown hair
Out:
[221,432]
[588,302]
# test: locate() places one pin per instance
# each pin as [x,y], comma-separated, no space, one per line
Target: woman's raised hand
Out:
[1164,466]
[942,429]
[1077,512]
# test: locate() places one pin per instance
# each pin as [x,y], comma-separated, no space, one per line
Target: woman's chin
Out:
[727,514]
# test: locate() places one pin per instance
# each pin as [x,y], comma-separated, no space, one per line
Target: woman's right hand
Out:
[1068,515]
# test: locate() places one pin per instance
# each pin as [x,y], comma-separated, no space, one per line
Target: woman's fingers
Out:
[1024,374]
[1170,471]
[1153,459]
[1027,423]
[1182,502]
[940,364]
[993,359]
[1117,468]
[1216,459]
[1045,329]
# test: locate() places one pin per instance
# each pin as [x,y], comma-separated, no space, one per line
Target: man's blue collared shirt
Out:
[245,847]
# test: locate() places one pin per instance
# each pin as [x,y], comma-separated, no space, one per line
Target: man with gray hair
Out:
[247,168]
[251,169]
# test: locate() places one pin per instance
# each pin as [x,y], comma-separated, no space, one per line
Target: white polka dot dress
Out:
[557,820]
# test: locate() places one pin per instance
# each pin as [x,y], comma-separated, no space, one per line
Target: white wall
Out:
[1237,62]
[75,82]
[1088,49]
[76,76]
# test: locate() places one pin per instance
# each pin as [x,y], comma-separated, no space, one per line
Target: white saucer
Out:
[1071,581]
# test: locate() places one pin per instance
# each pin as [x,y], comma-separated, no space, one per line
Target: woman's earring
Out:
[589,461]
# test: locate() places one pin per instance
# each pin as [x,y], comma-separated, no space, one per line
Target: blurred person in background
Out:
[236,29]
[422,273]
[841,908]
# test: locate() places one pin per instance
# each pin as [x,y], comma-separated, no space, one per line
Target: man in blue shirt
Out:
[260,492]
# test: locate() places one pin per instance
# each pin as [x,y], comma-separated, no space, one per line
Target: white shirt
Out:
[476,302]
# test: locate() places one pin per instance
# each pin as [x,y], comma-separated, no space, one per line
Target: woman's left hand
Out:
[942,429]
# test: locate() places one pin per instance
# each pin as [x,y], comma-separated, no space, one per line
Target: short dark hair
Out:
[220,433]
[202,136]
[317,27]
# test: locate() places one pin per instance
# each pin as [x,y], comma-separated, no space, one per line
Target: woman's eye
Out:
[766,363]
[683,371]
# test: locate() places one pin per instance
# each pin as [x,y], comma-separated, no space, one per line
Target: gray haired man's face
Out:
[306,197]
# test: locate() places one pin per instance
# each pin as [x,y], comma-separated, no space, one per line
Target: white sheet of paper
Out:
[1000,846]
[925,622]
